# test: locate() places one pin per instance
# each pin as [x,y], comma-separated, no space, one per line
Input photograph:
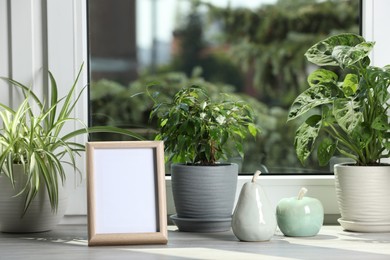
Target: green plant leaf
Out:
[386,144]
[163,122]
[322,77]
[240,149]
[102,129]
[306,136]
[350,84]
[347,114]
[361,136]
[321,53]
[315,96]
[53,99]
[347,56]
[252,129]
[381,123]
[325,151]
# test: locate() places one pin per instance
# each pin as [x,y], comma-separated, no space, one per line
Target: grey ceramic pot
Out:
[39,216]
[204,196]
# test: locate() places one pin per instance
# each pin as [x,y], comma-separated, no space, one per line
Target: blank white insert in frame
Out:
[125,191]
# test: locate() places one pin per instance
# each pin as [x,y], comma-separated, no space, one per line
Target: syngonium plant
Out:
[200,131]
[33,136]
[349,107]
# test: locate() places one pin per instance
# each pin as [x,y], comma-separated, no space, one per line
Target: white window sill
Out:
[276,188]
[284,186]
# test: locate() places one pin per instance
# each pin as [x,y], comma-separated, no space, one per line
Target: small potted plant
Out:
[34,149]
[199,134]
[347,112]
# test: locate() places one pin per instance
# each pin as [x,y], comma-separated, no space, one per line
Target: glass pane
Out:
[250,48]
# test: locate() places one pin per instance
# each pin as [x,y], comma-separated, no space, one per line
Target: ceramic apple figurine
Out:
[253,218]
[300,216]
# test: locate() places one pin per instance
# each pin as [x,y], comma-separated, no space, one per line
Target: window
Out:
[252,48]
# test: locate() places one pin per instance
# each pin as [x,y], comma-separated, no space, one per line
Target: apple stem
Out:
[254,178]
[302,193]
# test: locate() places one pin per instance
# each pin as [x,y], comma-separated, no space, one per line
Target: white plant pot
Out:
[363,195]
[39,216]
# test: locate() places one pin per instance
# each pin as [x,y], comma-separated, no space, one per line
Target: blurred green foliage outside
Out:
[257,54]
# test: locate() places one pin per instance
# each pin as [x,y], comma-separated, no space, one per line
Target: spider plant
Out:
[33,137]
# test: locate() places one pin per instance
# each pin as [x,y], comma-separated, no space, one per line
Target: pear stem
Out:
[254,178]
[302,193]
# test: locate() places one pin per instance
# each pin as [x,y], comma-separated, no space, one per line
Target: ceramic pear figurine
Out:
[300,216]
[253,218]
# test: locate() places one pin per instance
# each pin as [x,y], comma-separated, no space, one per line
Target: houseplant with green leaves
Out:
[199,135]
[35,148]
[347,114]
[197,130]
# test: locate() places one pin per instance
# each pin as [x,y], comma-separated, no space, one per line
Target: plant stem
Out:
[338,136]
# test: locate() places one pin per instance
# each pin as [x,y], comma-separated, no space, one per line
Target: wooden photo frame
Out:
[126,193]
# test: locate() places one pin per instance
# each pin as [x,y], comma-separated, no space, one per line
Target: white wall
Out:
[40,34]
[375,28]
[4,51]
[67,51]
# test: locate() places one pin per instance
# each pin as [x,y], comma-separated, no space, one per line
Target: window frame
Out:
[64,33]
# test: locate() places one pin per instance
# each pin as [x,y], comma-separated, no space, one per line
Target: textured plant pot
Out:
[202,194]
[39,216]
[363,195]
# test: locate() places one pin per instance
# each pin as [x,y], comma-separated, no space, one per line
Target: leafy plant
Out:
[350,108]
[197,130]
[33,137]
